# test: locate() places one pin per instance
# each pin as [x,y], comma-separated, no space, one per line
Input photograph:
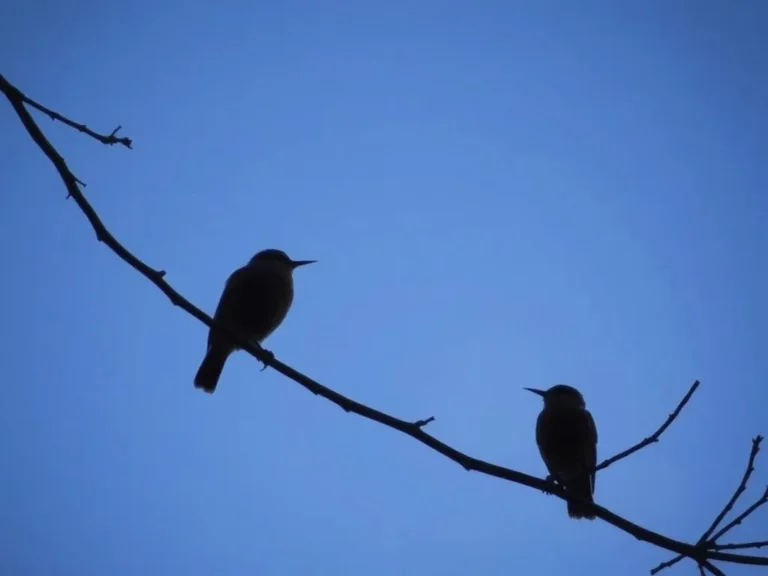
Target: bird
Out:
[255,301]
[567,440]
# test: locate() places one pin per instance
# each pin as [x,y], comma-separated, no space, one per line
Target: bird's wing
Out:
[542,425]
[591,447]
[234,289]
[255,301]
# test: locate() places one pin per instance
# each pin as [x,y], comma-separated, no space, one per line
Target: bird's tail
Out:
[583,488]
[208,374]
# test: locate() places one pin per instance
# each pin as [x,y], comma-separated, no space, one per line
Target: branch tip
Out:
[740,546]
[653,438]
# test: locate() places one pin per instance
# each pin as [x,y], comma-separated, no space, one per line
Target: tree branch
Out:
[667,564]
[742,546]
[741,517]
[653,437]
[412,429]
[711,568]
[709,542]
[110,139]
[742,486]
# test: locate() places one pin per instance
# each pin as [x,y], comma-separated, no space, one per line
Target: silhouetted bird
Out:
[567,439]
[255,300]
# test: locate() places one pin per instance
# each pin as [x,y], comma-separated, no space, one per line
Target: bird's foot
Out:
[552,481]
[266,354]
[269,356]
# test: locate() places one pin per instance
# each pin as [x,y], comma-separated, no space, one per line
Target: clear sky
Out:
[499,195]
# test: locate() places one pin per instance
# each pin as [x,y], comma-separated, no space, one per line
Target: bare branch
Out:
[709,542]
[653,438]
[711,568]
[110,139]
[739,490]
[412,429]
[742,546]
[741,517]
[667,564]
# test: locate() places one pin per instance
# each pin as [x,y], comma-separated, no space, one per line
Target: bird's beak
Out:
[297,263]
[536,391]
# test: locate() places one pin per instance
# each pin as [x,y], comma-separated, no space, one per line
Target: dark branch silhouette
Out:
[742,546]
[707,540]
[110,139]
[653,437]
[702,555]
[742,486]
[708,566]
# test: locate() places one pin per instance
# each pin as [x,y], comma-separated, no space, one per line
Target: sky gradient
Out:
[498,195]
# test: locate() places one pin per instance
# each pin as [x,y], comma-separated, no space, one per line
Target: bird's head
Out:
[273,255]
[561,396]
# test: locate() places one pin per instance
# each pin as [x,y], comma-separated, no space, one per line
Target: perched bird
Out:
[255,300]
[567,439]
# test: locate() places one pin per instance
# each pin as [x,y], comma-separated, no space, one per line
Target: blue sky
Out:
[499,195]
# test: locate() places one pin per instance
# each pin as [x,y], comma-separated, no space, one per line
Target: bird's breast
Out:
[562,434]
[264,296]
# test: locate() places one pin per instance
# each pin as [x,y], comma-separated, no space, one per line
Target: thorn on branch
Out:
[421,423]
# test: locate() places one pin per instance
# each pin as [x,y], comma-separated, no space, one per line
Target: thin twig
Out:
[108,139]
[707,541]
[742,546]
[469,463]
[739,490]
[653,437]
[667,564]
[741,517]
